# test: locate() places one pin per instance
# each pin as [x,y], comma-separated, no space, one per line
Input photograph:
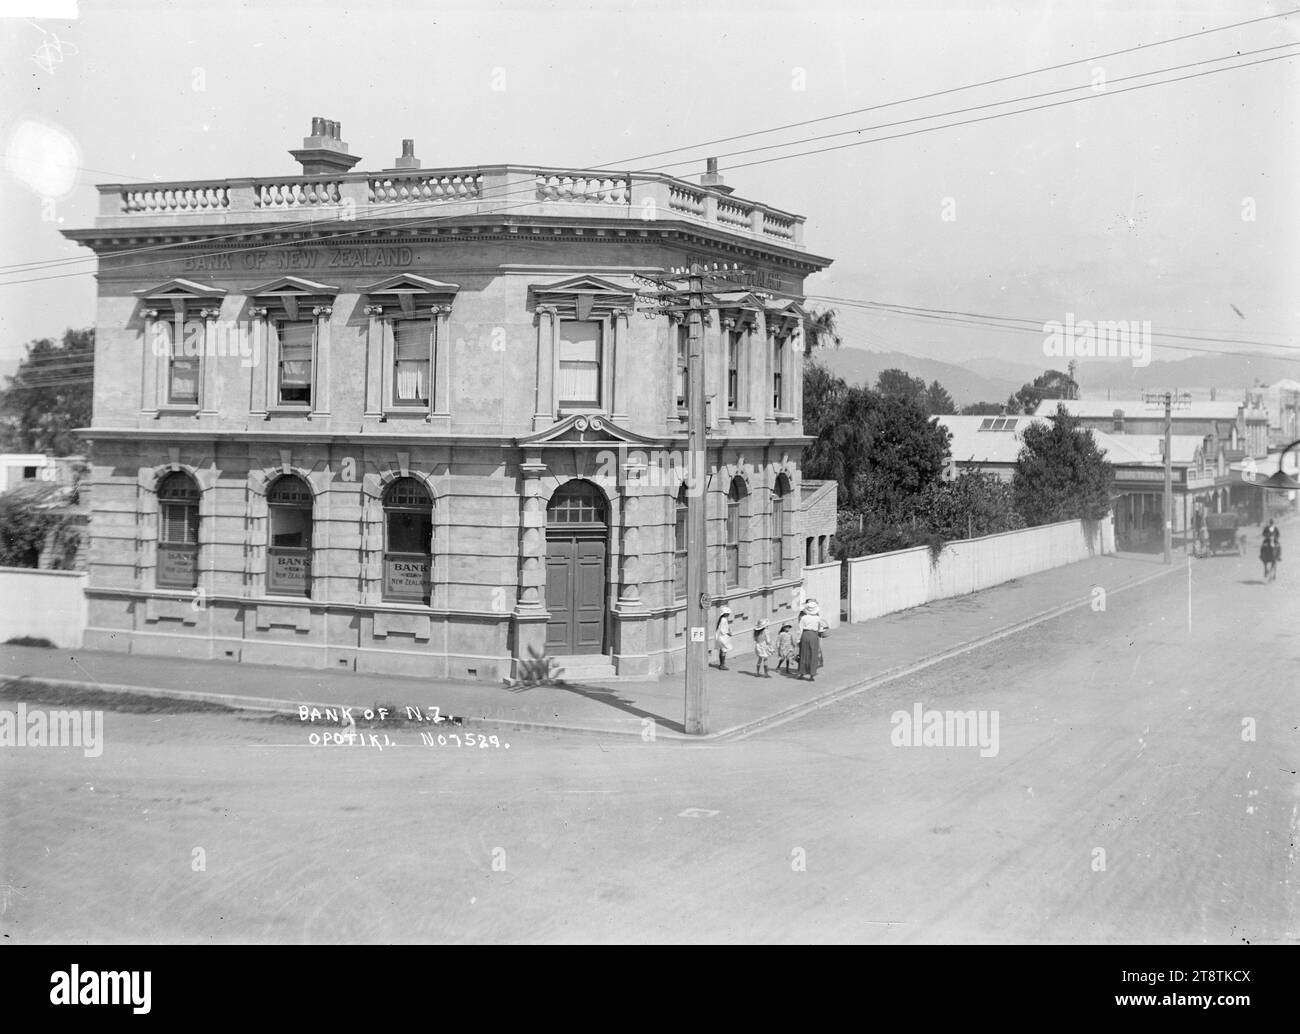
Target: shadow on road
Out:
[609,697]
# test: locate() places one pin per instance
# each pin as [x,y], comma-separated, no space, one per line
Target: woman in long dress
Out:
[810,646]
[722,637]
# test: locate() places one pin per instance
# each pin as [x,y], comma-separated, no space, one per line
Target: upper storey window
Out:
[581,348]
[581,327]
[297,315]
[297,357]
[176,316]
[407,363]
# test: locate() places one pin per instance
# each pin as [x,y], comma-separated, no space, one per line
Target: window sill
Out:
[739,416]
[178,409]
[784,418]
[305,411]
[406,413]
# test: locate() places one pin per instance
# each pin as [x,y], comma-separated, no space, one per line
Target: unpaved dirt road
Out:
[1144,788]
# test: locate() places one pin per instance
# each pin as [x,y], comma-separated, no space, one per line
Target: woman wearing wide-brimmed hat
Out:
[811,627]
[722,636]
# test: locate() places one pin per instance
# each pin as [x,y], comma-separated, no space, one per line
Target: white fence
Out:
[46,604]
[888,582]
[821,582]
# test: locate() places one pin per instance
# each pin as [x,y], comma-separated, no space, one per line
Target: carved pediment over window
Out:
[291,295]
[784,316]
[585,430]
[742,307]
[181,296]
[581,297]
[408,293]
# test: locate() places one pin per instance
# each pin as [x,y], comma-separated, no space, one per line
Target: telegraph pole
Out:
[1169,479]
[667,295]
[697,546]
[1167,398]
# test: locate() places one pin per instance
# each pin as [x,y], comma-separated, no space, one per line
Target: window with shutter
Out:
[580,359]
[297,343]
[411,347]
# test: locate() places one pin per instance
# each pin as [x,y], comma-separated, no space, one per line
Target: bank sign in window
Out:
[407,578]
[289,573]
[177,567]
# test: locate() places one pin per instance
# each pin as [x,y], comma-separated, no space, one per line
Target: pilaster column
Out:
[262,384]
[374,386]
[548,319]
[725,326]
[629,596]
[209,404]
[320,403]
[153,364]
[440,401]
[532,544]
[618,345]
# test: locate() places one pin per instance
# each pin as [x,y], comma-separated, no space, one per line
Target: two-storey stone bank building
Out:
[416,420]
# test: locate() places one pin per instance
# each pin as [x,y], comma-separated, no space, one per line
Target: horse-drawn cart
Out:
[1221,531]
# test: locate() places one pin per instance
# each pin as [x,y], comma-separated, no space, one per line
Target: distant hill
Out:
[1005,369]
[1228,373]
[858,366]
[992,380]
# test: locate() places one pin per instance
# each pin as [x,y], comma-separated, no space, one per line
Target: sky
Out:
[1175,204]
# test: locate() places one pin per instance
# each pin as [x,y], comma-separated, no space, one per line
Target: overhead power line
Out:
[765,161]
[989,82]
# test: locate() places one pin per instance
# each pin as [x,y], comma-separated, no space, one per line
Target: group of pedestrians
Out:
[798,644]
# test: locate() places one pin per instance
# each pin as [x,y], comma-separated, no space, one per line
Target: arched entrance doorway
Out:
[577,547]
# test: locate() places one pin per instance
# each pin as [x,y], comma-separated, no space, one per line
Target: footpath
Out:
[856,657]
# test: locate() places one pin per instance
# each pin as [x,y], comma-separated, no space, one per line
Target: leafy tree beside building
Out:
[1061,475]
[49,396]
[1050,384]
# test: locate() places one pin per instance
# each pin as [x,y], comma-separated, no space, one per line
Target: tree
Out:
[969,506]
[1061,474]
[28,514]
[907,452]
[1051,384]
[50,395]
[881,450]
[899,384]
[821,329]
[836,416]
[937,400]
[983,409]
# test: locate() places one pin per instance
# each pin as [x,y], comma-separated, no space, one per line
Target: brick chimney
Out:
[408,160]
[712,179]
[324,151]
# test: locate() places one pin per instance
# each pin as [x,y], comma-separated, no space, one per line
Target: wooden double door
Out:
[576,582]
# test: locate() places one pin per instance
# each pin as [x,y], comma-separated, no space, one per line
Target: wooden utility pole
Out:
[1168,398]
[684,291]
[697,546]
[1169,479]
